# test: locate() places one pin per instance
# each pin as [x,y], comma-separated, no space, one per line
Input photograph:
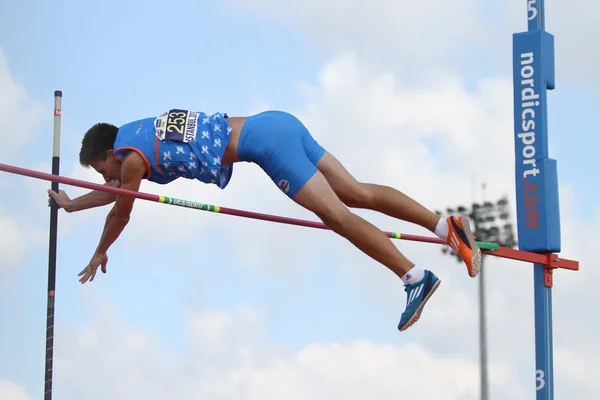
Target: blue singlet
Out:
[179,143]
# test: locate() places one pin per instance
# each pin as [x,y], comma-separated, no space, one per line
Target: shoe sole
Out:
[417,313]
[475,251]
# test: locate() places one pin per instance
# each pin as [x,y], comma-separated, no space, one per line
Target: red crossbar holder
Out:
[550,261]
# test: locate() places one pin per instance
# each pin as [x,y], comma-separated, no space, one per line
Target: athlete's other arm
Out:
[96,198]
[133,169]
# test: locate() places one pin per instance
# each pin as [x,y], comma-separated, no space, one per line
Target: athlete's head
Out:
[97,151]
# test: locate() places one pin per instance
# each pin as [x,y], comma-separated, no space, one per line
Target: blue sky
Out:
[118,61]
[97,47]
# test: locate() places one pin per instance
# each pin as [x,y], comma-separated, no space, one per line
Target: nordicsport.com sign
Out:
[538,219]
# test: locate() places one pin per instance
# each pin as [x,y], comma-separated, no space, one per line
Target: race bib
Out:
[177,125]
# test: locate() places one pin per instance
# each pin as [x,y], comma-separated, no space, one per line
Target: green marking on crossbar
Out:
[488,246]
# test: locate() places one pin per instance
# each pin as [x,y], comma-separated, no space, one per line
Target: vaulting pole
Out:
[52,249]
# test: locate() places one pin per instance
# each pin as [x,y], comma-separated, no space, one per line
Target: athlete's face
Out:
[110,168]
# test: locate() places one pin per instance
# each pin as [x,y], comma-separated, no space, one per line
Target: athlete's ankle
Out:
[442,228]
[414,275]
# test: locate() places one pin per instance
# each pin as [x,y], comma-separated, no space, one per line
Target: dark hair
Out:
[96,142]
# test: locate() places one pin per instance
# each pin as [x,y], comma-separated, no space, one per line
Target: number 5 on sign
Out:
[539,380]
[532,11]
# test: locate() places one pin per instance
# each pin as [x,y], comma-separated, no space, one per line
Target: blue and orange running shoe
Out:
[417,295]
[461,240]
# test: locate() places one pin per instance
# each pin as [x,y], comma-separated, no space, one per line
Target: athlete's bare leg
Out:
[380,198]
[318,196]
[454,230]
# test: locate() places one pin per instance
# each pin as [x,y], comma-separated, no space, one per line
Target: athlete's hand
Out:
[61,199]
[89,272]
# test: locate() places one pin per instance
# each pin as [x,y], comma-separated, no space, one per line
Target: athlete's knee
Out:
[319,197]
[358,195]
[334,215]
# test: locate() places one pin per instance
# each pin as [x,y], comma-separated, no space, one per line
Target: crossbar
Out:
[550,260]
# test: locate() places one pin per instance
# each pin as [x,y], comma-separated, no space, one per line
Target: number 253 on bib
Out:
[177,125]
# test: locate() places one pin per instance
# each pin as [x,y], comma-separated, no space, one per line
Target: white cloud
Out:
[578,368]
[11,391]
[20,115]
[13,245]
[372,120]
[227,357]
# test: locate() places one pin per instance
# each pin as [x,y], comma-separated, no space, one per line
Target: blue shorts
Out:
[282,146]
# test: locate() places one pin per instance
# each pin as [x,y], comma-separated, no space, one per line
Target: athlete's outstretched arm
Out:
[95,198]
[133,169]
